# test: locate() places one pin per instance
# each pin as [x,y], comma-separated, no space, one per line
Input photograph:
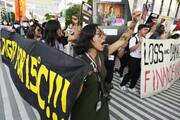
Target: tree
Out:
[178,0]
[48,16]
[73,10]
[90,2]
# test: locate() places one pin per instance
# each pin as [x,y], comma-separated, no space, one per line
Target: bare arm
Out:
[76,30]
[135,47]
[123,40]
[74,36]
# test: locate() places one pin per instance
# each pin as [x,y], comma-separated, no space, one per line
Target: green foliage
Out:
[48,16]
[12,16]
[178,0]
[90,2]
[73,10]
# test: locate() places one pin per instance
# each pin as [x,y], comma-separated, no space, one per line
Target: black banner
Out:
[46,78]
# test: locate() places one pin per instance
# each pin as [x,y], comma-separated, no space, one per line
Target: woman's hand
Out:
[123,40]
[136,16]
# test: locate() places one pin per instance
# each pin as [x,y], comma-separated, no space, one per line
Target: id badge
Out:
[111,57]
[98,105]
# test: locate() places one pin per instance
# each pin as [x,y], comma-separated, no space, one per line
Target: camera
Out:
[106,97]
[108,87]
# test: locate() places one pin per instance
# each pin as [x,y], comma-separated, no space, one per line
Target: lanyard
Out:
[96,70]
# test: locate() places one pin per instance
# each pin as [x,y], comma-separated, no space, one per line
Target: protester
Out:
[92,104]
[160,23]
[35,32]
[111,59]
[72,32]
[158,33]
[15,26]
[91,45]
[52,34]
[134,66]
[22,29]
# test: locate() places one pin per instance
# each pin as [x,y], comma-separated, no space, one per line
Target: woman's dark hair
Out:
[83,43]
[44,24]
[31,31]
[160,29]
[50,32]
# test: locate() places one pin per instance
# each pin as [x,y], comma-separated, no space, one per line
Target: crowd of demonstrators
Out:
[22,26]
[88,44]
[133,58]
[111,59]
[90,47]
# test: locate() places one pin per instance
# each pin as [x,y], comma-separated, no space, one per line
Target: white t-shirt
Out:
[132,42]
[68,49]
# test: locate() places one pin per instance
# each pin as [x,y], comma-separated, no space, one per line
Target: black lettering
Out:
[155,54]
[145,56]
[151,55]
[161,56]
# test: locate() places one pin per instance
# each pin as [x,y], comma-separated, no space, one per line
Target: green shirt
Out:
[85,106]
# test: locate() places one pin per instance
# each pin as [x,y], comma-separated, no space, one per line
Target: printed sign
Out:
[160,65]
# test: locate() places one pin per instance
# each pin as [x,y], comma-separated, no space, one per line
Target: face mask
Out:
[4,22]
[24,24]
[16,25]
[31,23]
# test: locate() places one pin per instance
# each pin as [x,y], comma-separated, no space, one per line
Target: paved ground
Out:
[123,106]
[129,106]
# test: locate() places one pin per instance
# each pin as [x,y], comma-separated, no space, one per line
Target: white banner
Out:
[160,65]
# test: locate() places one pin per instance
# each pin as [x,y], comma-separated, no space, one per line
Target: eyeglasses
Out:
[39,30]
[25,21]
[101,35]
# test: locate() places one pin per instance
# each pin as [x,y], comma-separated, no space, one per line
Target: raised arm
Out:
[123,40]
[76,29]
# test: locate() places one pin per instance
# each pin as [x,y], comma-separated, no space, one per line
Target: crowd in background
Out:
[89,41]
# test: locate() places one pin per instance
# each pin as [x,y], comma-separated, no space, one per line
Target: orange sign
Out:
[20,7]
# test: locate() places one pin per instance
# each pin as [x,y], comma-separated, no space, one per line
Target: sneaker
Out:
[123,88]
[133,90]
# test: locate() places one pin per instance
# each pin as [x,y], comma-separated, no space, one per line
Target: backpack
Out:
[126,52]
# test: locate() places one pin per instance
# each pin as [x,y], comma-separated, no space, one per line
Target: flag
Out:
[20,9]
